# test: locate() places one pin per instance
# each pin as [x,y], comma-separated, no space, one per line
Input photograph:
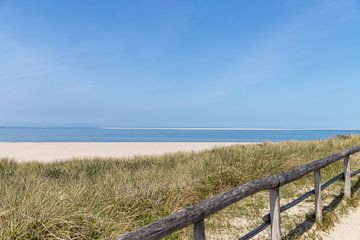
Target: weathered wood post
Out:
[318,200]
[347,178]
[275,214]
[199,230]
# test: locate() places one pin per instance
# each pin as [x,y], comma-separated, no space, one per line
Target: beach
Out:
[75,199]
[53,151]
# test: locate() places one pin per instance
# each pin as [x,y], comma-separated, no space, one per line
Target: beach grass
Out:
[102,198]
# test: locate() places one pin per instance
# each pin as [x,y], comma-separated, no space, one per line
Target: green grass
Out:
[101,198]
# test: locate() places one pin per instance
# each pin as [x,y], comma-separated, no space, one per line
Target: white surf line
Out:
[224,129]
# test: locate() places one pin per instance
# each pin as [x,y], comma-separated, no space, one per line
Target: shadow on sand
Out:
[310,219]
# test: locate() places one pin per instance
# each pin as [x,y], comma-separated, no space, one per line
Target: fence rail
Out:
[196,214]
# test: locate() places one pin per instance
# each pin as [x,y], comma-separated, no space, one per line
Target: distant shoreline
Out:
[227,129]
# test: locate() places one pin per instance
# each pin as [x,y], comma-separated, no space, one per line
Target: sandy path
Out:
[50,151]
[347,229]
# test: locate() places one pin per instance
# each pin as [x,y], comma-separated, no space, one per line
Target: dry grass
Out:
[100,198]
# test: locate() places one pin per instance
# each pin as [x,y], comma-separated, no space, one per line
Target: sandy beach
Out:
[347,228]
[52,151]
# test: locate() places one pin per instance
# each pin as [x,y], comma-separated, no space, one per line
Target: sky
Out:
[180,63]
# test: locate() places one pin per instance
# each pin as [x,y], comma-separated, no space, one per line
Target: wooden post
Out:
[318,200]
[275,214]
[347,178]
[199,230]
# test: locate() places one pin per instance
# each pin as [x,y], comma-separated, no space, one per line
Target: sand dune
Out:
[51,151]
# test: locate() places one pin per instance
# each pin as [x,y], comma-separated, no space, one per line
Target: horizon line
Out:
[190,128]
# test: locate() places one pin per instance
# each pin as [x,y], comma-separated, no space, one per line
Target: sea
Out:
[109,134]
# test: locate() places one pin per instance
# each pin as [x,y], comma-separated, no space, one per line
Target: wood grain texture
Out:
[318,200]
[199,230]
[347,178]
[275,214]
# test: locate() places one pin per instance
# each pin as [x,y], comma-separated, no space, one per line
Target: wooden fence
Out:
[195,215]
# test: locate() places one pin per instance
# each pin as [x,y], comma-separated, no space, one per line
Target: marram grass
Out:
[101,198]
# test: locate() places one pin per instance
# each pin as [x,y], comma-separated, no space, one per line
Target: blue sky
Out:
[188,63]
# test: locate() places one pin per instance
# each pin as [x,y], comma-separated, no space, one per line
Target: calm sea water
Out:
[161,135]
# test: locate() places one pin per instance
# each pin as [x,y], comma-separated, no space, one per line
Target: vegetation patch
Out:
[102,198]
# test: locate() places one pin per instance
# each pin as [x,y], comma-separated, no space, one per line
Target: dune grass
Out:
[101,198]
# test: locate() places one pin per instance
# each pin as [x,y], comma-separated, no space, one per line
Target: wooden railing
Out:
[196,214]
